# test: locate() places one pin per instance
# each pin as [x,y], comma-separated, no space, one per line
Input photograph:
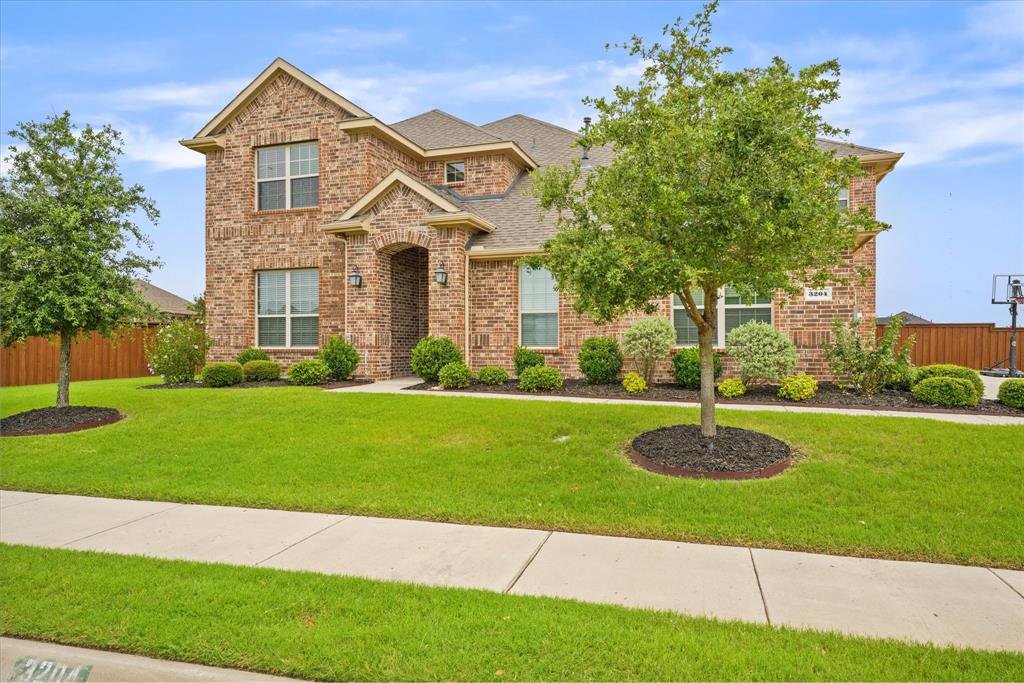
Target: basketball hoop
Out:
[1008,289]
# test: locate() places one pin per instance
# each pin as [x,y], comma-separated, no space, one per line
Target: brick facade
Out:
[399,301]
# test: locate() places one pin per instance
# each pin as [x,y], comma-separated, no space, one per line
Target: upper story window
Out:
[455,172]
[288,308]
[287,177]
[843,198]
[733,311]
[538,308]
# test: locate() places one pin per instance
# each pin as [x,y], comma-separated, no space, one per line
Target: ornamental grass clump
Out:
[799,387]
[948,392]
[540,378]
[309,372]
[1011,393]
[634,383]
[341,357]
[177,350]
[600,360]
[492,374]
[524,358]
[431,354]
[455,375]
[647,341]
[763,353]
[732,388]
[221,374]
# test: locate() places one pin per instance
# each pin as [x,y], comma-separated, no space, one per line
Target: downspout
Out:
[465,290]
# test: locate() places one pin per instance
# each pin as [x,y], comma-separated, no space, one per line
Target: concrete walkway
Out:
[32,660]
[944,604]
[398,386]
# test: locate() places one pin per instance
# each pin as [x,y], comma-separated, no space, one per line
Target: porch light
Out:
[354,278]
[441,275]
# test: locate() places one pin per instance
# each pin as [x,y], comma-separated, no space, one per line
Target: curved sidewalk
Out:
[399,386]
[974,607]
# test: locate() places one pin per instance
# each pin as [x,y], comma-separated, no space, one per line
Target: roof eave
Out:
[210,143]
[880,165]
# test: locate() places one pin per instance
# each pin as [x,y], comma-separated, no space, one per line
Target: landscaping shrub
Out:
[261,370]
[431,354]
[763,353]
[246,355]
[540,378]
[950,370]
[176,350]
[1011,393]
[866,366]
[686,363]
[524,358]
[309,372]
[634,383]
[732,388]
[455,375]
[799,387]
[600,360]
[950,392]
[492,374]
[221,374]
[340,356]
[647,341]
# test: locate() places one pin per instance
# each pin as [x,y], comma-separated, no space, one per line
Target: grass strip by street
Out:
[870,486]
[340,628]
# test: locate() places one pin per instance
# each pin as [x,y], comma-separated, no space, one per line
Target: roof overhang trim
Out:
[484,254]
[880,164]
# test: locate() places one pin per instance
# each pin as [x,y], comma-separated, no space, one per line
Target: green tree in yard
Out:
[716,180]
[68,237]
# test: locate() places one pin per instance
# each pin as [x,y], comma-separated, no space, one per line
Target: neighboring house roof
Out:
[908,319]
[436,129]
[165,302]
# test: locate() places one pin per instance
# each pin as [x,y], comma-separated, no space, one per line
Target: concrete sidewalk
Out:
[916,601]
[399,386]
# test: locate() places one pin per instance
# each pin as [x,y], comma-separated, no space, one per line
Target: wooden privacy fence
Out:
[973,345]
[36,360]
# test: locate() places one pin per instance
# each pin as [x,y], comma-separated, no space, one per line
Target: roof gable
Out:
[436,129]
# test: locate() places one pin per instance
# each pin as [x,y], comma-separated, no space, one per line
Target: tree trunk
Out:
[706,339]
[64,374]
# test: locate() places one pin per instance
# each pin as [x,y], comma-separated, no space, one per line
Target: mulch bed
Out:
[828,396]
[57,420]
[734,453]
[256,385]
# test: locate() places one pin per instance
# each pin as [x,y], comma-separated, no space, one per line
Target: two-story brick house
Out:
[321,220]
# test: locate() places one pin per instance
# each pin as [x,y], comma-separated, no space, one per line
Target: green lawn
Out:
[340,628]
[889,487]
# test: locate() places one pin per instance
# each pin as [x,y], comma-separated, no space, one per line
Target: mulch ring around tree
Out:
[257,385]
[57,420]
[681,451]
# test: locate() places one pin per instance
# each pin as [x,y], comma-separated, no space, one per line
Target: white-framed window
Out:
[843,198]
[288,308]
[287,176]
[538,308]
[455,172]
[733,311]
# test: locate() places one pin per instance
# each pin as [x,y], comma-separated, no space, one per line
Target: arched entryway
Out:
[409,303]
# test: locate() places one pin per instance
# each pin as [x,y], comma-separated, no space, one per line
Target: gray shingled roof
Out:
[165,301]
[514,214]
[436,128]
[908,319]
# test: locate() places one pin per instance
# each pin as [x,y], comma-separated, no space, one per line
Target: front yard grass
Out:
[340,628]
[870,486]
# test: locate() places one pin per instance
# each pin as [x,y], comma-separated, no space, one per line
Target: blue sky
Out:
[942,82]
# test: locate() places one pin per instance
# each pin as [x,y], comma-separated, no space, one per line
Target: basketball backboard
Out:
[1008,289]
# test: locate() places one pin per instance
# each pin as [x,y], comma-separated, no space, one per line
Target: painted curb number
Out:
[30,668]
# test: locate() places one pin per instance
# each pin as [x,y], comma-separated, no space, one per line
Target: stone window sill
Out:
[279,212]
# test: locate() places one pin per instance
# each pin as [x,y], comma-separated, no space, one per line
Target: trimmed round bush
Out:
[309,372]
[251,353]
[600,360]
[634,383]
[647,341]
[340,356]
[949,392]
[492,374]
[540,378]
[732,388]
[221,374]
[686,364]
[950,370]
[455,375]
[431,354]
[524,358]
[763,353]
[261,370]
[799,387]
[1011,393]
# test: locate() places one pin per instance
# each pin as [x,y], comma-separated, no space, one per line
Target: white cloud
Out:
[348,38]
[158,150]
[1002,20]
[209,96]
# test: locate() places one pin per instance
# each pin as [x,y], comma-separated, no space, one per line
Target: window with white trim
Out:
[733,311]
[455,172]
[288,308]
[287,176]
[538,308]
[843,198]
